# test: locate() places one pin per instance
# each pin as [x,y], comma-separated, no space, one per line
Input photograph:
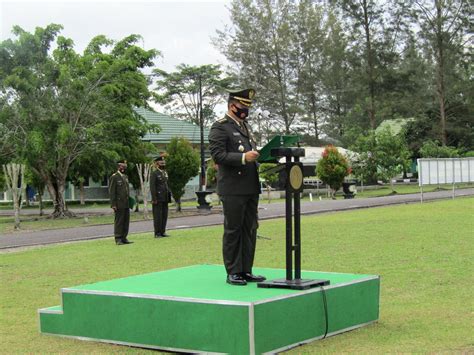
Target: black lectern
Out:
[293,175]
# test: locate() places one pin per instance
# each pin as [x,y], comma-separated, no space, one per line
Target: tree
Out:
[365,18]
[260,46]
[92,164]
[364,161]
[144,172]
[380,155]
[445,28]
[38,184]
[332,168]
[309,37]
[392,155]
[139,155]
[179,91]
[64,104]
[182,163]
[15,180]
[269,175]
[433,149]
[337,87]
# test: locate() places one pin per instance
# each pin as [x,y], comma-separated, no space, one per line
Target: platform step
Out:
[192,309]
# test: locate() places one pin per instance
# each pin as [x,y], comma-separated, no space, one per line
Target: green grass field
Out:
[36,223]
[423,252]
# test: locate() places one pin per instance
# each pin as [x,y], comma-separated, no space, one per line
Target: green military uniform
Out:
[119,199]
[160,196]
[238,187]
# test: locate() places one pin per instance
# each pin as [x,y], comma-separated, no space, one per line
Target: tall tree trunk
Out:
[315,118]
[40,197]
[370,67]
[56,191]
[440,68]
[82,192]
[279,72]
[15,180]
[137,200]
[144,172]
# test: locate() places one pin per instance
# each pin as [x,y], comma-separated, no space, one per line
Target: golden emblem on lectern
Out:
[296,177]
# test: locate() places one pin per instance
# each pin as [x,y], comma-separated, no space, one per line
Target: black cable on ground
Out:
[325,304]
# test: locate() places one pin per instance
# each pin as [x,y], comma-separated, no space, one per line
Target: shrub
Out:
[332,168]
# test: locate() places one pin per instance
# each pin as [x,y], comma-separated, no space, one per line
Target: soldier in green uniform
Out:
[119,201]
[234,151]
[160,196]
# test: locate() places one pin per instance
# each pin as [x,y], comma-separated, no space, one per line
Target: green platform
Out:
[192,309]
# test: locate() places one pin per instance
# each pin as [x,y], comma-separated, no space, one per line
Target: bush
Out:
[211,174]
[182,164]
[433,149]
[332,168]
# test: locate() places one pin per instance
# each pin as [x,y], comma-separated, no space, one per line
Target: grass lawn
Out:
[36,223]
[423,252]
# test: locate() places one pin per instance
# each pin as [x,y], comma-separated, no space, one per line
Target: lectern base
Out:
[298,284]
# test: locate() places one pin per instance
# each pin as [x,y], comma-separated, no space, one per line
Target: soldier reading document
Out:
[234,151]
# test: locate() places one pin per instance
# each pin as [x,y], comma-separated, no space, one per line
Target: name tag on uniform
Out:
[236,133]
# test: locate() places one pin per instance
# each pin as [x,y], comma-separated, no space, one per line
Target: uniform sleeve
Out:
[218,147]
[113,191]
[153,186]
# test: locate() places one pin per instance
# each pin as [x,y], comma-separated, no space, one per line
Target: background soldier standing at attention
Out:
[160,196]
[234,150]
[119,201]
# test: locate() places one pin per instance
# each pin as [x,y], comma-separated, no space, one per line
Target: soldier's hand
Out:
[251,156]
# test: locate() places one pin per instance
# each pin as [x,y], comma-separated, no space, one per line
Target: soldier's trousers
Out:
[160,217]
[121,223]
[240,236]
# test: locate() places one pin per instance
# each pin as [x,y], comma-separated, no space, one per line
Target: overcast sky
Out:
[181,30]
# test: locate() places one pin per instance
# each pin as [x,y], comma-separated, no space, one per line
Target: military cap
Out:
[121,161]
[160,157]
[244,96]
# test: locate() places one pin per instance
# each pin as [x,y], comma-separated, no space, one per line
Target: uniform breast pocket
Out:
[239,145]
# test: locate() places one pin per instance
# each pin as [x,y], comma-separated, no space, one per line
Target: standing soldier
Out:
[234,150]
[119,201]
[160,197]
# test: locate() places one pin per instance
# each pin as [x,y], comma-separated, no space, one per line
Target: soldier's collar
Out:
[118,171]
[240,124]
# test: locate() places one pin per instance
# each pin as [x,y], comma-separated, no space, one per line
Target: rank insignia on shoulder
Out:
[222,120]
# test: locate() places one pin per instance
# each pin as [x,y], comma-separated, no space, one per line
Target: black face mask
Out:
[242,113]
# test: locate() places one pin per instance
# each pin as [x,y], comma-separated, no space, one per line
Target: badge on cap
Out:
[241,148]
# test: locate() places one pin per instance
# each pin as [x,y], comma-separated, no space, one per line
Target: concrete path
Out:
[266,211]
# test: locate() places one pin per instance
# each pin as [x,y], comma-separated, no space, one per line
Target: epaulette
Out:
[222,120]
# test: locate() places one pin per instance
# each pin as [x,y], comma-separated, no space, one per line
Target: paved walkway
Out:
[266,211]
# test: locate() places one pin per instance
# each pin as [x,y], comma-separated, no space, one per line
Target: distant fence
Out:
[438,171]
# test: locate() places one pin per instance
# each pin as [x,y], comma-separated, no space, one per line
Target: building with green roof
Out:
[171,127]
